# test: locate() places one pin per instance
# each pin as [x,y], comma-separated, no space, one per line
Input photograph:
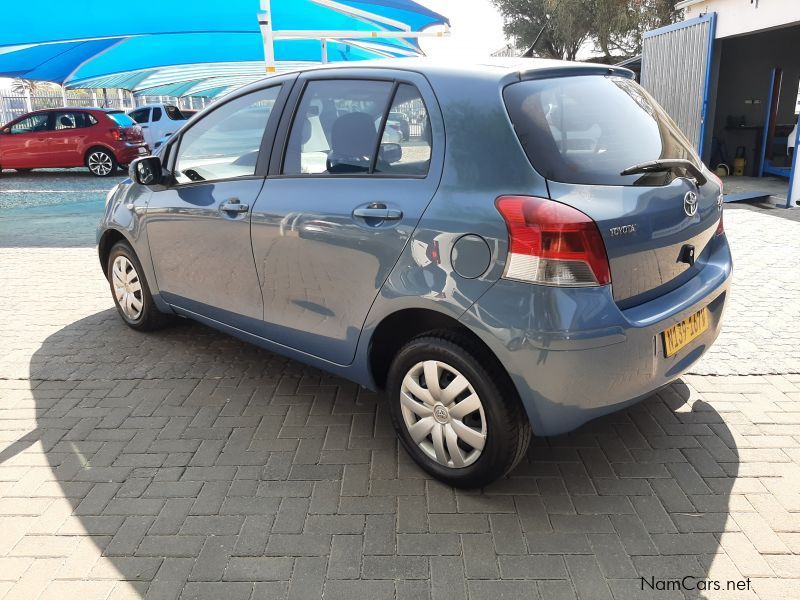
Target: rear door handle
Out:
[378,211]
[233,205]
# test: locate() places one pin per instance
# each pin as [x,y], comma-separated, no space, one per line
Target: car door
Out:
[142,117]
[199,227]
[66,139]
[338,207]
[24,143]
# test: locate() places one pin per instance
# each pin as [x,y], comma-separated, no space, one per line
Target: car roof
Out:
[75,108]
[499,68]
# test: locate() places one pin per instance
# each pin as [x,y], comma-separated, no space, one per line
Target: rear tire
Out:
[469,427]
[101,162]
[130,290]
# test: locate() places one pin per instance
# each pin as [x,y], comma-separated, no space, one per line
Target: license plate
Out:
[682,334]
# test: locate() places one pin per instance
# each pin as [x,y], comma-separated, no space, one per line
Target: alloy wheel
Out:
[443,414]
[100,163]
[127,287]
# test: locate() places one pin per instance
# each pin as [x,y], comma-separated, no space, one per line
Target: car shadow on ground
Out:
[188,444]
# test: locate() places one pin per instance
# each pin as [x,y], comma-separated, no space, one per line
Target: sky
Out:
[476,29]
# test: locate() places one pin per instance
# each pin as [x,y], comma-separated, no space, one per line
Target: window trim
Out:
[173,146]
[293,105]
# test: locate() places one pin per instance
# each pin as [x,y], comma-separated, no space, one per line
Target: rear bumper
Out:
[573,355]
[127,153]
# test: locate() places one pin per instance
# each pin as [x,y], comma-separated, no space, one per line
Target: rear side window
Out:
[406,142]
[174,113]
[121,119]
[335,129]
[156,114]
[588,129]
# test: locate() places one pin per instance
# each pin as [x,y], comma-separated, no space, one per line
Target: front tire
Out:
[130,290]
[101,162]
[455,412]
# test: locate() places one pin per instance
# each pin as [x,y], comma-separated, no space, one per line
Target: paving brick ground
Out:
[186,464]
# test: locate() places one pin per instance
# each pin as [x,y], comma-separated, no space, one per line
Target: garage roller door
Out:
[676,64]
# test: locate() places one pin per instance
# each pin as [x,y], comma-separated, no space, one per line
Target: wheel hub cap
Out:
[443,414]
[127,288]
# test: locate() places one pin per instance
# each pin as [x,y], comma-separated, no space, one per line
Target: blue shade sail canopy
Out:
[207,44]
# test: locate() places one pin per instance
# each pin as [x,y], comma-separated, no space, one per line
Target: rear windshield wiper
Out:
[667,164]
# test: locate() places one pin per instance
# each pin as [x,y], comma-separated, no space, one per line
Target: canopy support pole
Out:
[265,24]
[324,46]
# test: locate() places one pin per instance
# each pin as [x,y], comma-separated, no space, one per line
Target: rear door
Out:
[581,133]
[341,204]
[199,228]
[67,137]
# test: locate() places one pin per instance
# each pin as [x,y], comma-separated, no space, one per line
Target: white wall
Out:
[735,17]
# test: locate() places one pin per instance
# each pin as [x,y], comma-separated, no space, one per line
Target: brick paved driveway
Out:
[186,464]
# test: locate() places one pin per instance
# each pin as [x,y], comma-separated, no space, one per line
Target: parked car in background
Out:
[99,139]
[400,121]
[157,121]
[570,267]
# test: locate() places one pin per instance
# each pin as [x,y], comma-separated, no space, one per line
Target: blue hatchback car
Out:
[543,248]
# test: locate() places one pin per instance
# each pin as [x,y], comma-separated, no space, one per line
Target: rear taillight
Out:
[118,134]
[552,243]
[720,226]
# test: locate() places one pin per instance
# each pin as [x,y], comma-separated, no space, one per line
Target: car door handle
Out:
[378,211]
[233,205]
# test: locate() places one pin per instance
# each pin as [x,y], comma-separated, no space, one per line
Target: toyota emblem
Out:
[690,204]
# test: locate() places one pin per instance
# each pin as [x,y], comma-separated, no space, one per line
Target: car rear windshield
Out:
[121,119]
[587,129]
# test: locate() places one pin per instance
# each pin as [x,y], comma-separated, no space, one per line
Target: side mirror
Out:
[146,171]
[391,153]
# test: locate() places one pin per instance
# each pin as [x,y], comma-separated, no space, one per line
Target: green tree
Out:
[561,28]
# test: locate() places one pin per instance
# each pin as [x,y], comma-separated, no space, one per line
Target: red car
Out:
[97,138]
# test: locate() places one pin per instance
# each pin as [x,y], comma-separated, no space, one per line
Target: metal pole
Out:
[793,193]
[27,92]
[265,24]
[63,96]
[94,97]
[324,45]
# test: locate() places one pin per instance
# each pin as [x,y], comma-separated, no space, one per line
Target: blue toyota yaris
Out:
[544,246]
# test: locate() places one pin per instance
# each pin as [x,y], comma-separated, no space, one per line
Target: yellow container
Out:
[738,166]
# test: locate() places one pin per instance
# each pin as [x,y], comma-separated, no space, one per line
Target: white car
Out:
[157,121]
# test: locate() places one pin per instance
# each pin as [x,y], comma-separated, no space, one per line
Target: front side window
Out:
[406,142]
[31,124]
[141,115]
[335,129]
[226,142]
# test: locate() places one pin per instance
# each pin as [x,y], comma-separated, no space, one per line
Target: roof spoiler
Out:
[571,71]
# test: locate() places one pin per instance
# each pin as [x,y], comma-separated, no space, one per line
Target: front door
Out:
[334,217]
[25,145]
[199,228]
